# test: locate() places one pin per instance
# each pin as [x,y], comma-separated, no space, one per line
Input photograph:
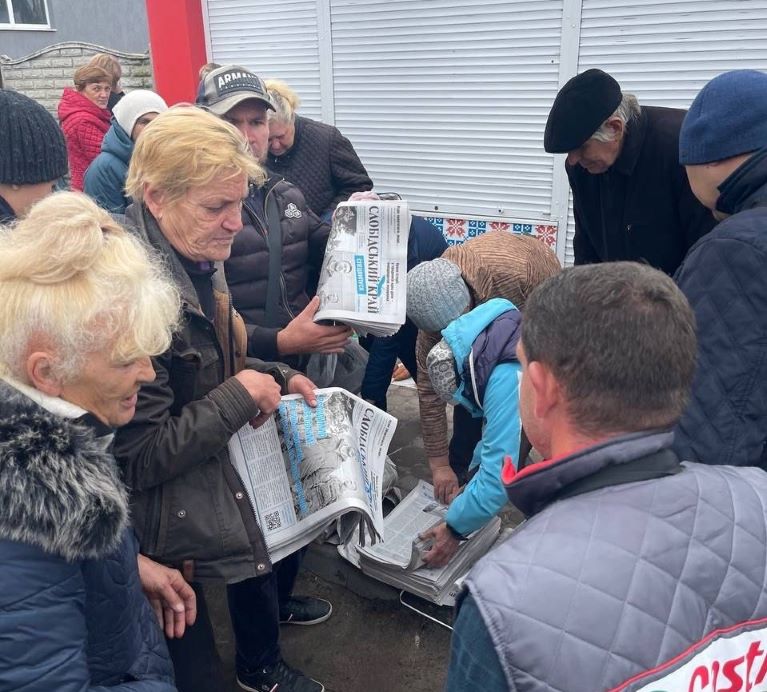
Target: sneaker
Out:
[305,610]
[279,677]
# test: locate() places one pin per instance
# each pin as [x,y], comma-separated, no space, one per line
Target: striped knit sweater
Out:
[497,264]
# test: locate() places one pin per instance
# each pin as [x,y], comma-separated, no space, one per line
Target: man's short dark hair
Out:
[620,339]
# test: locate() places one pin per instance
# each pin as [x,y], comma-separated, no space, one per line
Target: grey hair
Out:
[628,109]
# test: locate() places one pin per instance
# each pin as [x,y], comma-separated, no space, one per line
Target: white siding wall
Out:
[446,100]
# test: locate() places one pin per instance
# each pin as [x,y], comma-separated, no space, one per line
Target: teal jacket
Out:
[484,495]
[105,178]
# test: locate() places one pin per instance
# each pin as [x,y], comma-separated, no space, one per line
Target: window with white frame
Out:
[23,14]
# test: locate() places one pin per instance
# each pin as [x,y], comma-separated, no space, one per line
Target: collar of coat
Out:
[537,485]
[60,488]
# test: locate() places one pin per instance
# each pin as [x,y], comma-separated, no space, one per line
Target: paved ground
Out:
[371,643]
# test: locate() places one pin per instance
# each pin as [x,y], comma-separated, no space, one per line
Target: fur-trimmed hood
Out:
[60,488]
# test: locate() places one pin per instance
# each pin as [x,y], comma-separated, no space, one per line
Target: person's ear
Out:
[617,127]
[155,200]
[545,388]
[41,373]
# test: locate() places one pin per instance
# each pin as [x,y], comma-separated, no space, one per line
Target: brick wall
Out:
[44,74]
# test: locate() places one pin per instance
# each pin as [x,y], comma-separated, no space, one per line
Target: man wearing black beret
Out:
[631,198]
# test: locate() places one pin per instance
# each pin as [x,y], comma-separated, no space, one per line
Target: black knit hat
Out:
[580,108]
[32,147]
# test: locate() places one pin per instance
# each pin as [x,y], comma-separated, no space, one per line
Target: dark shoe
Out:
[280,677]
[305,610]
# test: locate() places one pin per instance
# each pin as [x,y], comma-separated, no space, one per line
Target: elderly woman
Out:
[188,176]
[85,118]
[83,310]
[314,156]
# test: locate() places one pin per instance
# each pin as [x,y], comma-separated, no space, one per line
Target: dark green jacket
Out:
[188,505]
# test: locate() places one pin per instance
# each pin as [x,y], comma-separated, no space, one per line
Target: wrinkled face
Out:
[249,117]
[109,390]
[141,123]
[595,156]
[201,225]
[536,433]
[281,137]
[98,93]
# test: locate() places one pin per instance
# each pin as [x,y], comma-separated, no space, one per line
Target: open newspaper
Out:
[398,559]
[306,468]
[364,274]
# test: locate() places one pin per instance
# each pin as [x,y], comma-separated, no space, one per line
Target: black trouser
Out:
[467,431]
[255,613]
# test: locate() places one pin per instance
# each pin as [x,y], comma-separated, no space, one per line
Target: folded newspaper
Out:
[306,468]
[364,274]
[397,560]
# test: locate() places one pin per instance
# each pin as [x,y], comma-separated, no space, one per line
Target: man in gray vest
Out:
[634,570]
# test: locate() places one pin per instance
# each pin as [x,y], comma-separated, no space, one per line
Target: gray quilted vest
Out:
[627,586]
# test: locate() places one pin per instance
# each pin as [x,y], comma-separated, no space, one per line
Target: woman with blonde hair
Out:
[84,308]
[314,156]
[188,177]
[85,118]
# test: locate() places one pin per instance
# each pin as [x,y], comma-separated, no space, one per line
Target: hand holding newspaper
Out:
[398,560]
[307,467]
[364,274]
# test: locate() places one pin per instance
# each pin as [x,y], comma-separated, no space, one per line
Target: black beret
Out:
[580,108]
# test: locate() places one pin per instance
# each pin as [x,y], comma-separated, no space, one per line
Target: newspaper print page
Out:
[256,454]
[364,273]
[418,512]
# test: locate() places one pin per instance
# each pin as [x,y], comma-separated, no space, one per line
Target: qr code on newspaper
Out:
[273,521]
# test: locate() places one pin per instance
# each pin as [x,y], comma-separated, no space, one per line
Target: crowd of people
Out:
[168,299]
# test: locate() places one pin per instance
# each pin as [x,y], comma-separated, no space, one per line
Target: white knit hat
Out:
[135,104]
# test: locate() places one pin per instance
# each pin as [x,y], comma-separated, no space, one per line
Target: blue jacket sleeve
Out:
[43,626]
[474,664]
[484,495]
[104,182]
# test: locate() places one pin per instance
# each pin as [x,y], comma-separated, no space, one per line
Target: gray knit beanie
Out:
[32,147]
[436,294]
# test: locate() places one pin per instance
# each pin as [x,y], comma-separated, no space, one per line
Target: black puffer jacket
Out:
[304,238]
[323,163]
[723,277]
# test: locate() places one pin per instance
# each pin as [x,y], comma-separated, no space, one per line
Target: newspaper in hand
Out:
[306,468]
[364,274]
[397,560]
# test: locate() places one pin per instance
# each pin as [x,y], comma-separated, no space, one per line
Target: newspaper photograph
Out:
[363,279]
[306,467]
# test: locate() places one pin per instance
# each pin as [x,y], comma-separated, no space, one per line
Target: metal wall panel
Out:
[274,38]
[445,100]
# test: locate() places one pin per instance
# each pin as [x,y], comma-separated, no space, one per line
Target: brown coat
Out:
[497,264]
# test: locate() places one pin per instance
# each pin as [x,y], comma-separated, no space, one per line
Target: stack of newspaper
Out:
[398,559]
[308,468]
[364,274]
